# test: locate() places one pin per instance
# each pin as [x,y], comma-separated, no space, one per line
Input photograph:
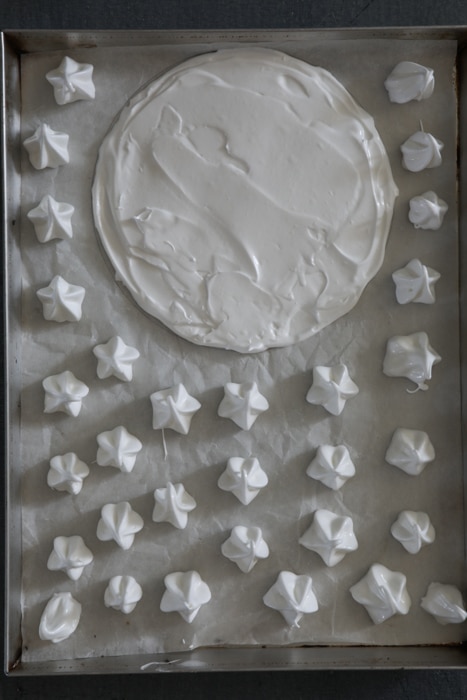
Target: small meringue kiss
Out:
[115,358]
[420,151]
[409,81]
[172,505]
[173,408]
[118,448]
[242,403]
[245,547]
[185,593]
[331,536]
[292,595]
[413,530]
[72,81]
[60,618]
[65,393]
[52,219]
[67,473]
[244,478]
[415,283]
[70,555]
[61,301]
[47,148]
[410,450]
[119,522]
[331,388]
[410,356]
[445,603]
[123,593]
[427,211]
[383,593]
[332,466]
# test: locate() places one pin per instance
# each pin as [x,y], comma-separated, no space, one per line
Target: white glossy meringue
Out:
[61,301]
[427,211]
[242,403]
[115,359]
[331,536]
[67,473]
[244,478]
[60,618]
[123,593]
[172,505]
[410,450]
[173,408]
[72,81]
[185,593]
[118,448]
[292,595]
[445,603]
[64,393]
[413,529]
[245,546]
[410,356]
[383,593]
[119,522]
[420,151]
[331,388]
[332,466]
[410,81]
[52,219]
[415,283]
[70,555]
[47,148]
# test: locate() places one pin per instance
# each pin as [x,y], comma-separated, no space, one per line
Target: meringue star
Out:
[292,596]
[410,450]
[60,618]
[70,555]
[445,603]
[52,219]
[122,593]
[67,473]
[118,448]
[413,529]
[242,403]
[410,356]
[72,81]
[331,536]
[245,547]
[115,359]
[185,593]
[173,503]
[244,478]
[415,282]
[331,388]
[427,211]
[47,148]
[173,408]
[332,466]
[63,392]
[119,522]
[383,593]
[420,151]
[61,301]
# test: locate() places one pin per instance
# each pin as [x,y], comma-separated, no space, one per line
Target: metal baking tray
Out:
[15,43]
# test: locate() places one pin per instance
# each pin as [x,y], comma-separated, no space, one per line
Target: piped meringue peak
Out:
[172,505]
[415,283]
[332,466]
[118,448]
[119,522]
[245,547]
[70,555]
[383,593]
[427,211]
[60,618]
[410,356]
[61,301]
[331,388]
[115,358]
[410,81]
[185,593]
[64,393]
[122,594]
[244,478]
[413,530]
[292,595]
[410,450]
[242,403]
[420,151]
[445,603]
[67,473]
[331,536]
[52,219]
[72,81]
[173,408]
[47,148]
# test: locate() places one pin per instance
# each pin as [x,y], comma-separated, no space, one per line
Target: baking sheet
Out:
[284,439]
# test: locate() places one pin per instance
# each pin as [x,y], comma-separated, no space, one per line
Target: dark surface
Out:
[235,14]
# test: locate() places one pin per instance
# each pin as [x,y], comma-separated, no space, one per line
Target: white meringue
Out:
[292,595]
[47,148]
[331,536]
[410,450]
[52,219]
[410,356]
[118,448]
[245,547]
[67,473]
[331,388]
[70,555]
[115,358]
[173,503]
[72,81]
[410,81]
[173,408]
[427,211]
[413,529]
[60,618]
[61,301]
[122,593]
[420,151]
[185,593]
[242,403]
[119,522]
[415,283]
[383,593]
[244,478]
[332,465]
[65,393]
[445,603]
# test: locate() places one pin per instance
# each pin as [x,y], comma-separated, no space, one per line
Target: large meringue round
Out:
[410,450]
[60,618]
[383,593]
[331,536]
[410,81]
[122,593]
[445,603]
[413,529]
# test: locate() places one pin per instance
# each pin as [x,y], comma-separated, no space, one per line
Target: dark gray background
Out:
[231,14]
